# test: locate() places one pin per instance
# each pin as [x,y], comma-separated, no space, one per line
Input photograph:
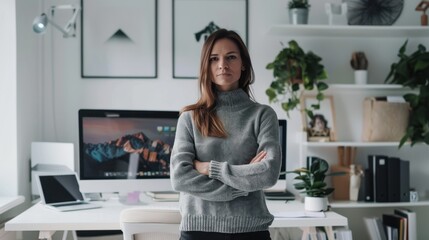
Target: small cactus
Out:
[359,61]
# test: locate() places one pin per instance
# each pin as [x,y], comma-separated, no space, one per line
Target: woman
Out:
[319,126]
[226,149]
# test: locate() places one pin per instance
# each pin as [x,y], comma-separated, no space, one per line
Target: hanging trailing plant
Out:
[295,72]
[413,71]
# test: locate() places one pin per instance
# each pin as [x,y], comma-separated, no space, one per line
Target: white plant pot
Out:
[315,204]
[298,16]
[361,77]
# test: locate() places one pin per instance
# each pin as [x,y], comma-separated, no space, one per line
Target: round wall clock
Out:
[373,12]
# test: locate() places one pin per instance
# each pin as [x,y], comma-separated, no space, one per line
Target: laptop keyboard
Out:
[70,204]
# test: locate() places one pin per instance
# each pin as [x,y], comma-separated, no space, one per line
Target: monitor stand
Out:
[131,198]
[145,198]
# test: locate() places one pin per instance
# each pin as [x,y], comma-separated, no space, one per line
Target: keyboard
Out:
[279,195]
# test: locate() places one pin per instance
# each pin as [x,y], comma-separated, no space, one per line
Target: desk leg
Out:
[46,235]
[66,233]
[309,233]
[329,232]
[275,232]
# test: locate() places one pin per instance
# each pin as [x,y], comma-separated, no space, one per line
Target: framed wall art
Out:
[320,128]
[119,39]
[194,21]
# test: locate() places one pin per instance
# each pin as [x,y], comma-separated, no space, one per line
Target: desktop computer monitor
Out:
[283,143]
[281,182]
[125,151]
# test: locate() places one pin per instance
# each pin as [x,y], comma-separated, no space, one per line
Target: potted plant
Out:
[360,65]
[313,185]
[413,71]
[295,72]
[298,11]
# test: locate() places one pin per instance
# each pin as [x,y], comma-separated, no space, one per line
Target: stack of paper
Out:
[299,214]
[164,196]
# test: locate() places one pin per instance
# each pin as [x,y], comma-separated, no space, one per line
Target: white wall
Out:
[51,91]
[8,103]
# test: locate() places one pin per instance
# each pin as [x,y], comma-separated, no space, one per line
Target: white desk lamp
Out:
[40,22]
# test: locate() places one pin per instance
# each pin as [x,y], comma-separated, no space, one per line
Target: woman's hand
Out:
[259,157]
[202,167]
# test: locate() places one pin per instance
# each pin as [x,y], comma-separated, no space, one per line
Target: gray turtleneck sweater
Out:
[230,199]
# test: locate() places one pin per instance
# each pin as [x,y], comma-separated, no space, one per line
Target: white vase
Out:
[361,77]
[315,204]
[337,13]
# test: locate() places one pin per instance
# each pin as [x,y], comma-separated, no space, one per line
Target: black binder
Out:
[404,185]
[378,165]
[393,179]
[369,185]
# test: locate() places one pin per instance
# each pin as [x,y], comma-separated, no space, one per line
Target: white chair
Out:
[140,223]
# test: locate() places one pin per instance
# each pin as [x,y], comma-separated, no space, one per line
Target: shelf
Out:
[349,31]
[366,86]
[351,144]
[352,204]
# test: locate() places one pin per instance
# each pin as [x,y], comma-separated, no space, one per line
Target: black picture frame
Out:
[119,39]
[380,12]
[194,20]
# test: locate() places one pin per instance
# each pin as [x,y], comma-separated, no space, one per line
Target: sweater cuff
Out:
[238,193]
[215,169]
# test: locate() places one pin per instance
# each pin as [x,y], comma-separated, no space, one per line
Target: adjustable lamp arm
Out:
[69,25]
[39,24]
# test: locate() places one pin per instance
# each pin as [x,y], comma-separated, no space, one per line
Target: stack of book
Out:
[401,225]
[164,196]
[387,179]
[340,233]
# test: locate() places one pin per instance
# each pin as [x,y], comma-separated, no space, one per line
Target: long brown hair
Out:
[204,114]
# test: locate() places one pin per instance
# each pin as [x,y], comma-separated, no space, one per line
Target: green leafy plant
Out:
[292,68]
[298,4]
[312,181]
[413,71]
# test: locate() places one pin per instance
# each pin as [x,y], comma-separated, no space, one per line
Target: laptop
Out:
[61,192]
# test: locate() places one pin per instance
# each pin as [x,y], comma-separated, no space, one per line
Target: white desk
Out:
[7,203]
[47,221]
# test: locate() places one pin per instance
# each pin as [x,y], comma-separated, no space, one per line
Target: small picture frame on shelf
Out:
[320,128]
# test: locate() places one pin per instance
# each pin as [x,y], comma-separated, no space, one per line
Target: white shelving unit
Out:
[326,31]
[305,146]
[350,144]
[349,31]
[353,86]
[351,204]
[370,33]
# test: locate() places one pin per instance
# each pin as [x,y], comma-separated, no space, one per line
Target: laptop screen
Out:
[60,188]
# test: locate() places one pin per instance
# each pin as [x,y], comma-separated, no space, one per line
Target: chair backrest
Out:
[140,223]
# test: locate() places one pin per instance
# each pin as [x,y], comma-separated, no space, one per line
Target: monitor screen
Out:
[119,148]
